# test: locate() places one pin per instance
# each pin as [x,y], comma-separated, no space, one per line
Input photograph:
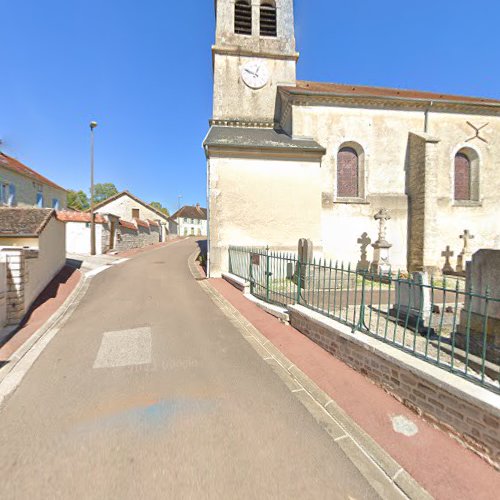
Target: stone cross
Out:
[382,217]
[364,241]
[447,265]
[467,236]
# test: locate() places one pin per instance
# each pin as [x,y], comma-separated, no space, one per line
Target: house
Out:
[21,186]
[128,207]
[78,232]
[32,251]
[290,159]
[111,232]
[191,221]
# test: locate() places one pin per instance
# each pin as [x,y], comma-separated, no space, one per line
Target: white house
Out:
[33,249]
[191,221]
[128,207]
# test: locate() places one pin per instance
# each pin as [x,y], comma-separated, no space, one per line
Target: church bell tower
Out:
[254,53]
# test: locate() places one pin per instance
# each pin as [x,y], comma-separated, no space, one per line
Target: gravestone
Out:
[466,253]
[483,274]
[414,303]
[317,274]
[381,262]
[364,263]
[447,254]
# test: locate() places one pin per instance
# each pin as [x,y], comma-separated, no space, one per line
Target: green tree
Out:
[104,191]
[160,207]
[77,200]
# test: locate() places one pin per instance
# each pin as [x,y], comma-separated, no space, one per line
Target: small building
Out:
[32,251]
[78,232]
[128,207]
[21,186]
[191,221]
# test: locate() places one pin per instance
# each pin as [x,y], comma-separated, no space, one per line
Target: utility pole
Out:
[93,125]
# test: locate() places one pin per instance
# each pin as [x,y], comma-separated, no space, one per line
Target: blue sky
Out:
[143,71]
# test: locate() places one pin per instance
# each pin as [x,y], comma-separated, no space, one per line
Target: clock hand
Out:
[250,72]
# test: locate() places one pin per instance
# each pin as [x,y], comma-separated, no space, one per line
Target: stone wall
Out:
[464,410]
[3,291]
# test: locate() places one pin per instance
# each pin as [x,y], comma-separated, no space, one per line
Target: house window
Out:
[268,18]
[39,200]
[135,213]
[4,194]
[12,195]
[466,176]
[347,173]
[243,17]
[55,203]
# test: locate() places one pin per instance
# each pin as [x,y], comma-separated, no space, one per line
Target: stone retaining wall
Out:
[466,411]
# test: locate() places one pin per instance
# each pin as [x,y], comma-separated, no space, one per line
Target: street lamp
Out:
[93,125]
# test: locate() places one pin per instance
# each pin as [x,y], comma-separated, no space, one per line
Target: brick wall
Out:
[464,410]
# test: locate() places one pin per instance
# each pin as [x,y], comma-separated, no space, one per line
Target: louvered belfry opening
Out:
[243,17]
[268,19]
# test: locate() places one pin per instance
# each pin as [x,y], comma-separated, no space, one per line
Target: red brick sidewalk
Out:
[439,463]
[48,302]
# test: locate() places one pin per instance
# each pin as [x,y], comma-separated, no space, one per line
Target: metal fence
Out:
[439,321]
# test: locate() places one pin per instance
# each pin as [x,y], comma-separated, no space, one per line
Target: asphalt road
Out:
[148,391]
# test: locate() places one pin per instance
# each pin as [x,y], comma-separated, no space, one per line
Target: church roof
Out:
[343,90]
[19,168]
[261,138]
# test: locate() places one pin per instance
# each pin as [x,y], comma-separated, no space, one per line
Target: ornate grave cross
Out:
[447,254]
[477,129]
[467,236]
[382,217]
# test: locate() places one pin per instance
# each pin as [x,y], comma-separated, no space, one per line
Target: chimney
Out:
[198,206]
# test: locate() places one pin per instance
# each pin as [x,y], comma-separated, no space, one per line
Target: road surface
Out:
[148,391]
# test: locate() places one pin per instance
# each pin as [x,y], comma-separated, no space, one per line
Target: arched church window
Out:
[268,18]
[243,17]
[348,173]
[462,177]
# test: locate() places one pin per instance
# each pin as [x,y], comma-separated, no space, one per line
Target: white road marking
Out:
[403,425]
[124,348]
[96,271]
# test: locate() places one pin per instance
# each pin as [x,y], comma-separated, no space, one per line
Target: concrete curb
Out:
[384,474]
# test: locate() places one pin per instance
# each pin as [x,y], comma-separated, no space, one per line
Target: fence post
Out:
[361,322]
[267,274]
[250,273]
[299,281]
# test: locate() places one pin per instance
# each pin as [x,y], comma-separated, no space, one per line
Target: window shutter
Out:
[462,177]
[347,173]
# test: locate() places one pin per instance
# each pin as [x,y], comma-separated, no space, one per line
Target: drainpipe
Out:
[426,126]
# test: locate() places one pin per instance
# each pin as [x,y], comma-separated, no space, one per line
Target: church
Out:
[289,159]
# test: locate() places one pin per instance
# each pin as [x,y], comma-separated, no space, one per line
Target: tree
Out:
[104,191]
[160,208]
[77,200]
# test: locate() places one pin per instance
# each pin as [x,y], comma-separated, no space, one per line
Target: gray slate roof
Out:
[252,138]
[24,222]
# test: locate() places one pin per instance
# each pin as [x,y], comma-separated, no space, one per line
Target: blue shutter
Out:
[55,203]
[39,200]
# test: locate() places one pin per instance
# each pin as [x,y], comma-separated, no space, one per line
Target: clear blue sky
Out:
[143,71]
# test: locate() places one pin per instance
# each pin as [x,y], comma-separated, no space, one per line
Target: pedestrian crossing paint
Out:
[124,348]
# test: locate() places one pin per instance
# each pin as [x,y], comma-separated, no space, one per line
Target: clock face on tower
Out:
[255,74]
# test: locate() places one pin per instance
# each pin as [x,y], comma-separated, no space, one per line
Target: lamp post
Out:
[93,125]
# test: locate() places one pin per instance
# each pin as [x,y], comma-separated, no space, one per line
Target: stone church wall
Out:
[258,202]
